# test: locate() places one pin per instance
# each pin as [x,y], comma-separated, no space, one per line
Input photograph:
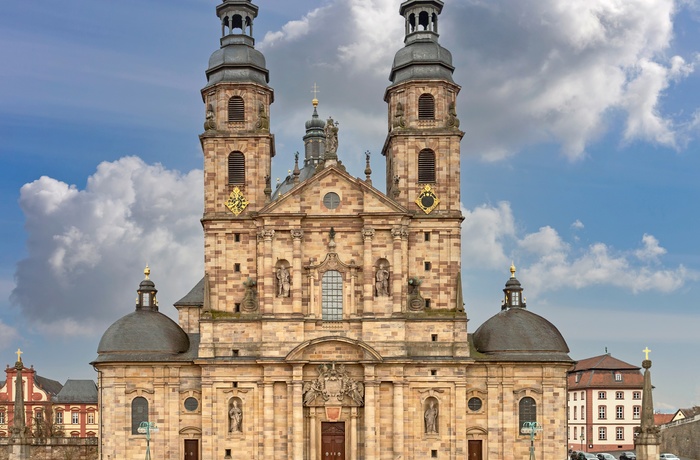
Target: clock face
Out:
[236,202]
[427,200]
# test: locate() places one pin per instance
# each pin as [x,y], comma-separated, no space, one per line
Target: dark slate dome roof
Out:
[422,58]
[237,61]
[517,330]
[144,331]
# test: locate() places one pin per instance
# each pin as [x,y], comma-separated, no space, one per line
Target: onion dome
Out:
[518,334]
[237,60]
[145,333]
[315,138]
[422,57]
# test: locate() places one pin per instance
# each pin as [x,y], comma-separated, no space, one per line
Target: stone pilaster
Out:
[400,277]
[297,235]
[368,289]
[298,415]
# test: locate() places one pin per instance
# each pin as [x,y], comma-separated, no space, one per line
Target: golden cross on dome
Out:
[646,353]
[19,357]
[315,90]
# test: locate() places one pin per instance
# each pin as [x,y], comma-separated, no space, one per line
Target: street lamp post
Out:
[583,438]
[147,428]
[531,428]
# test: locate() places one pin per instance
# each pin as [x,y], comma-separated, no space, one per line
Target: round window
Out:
[191,404]
[331,200]
[474,404]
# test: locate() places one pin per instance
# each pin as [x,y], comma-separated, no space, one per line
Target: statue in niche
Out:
[382,281]
[431,417]
[263,122]
[399,121]
[283,284]
[235,417]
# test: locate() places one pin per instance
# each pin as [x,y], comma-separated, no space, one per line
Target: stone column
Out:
[370,413]
[368,290]
[398,420]
[297,235]
[460,419]
[313,441]
[298,412]
[268,285]
[399,278]
[647,443]
[354,438]
[268,420]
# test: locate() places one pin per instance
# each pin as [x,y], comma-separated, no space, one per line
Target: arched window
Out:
[236,168]
[527,411]
[139,413]
[236,109]
[332,296]
[426,107]
[426,166]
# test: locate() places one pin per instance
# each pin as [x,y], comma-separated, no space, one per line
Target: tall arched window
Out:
[527,411]
[332,296]
[236,168]
[139,413]
[426,166]
[426,107]
[236,109]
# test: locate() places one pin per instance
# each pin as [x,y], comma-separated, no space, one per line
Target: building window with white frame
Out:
[583,412]
[618,377]
[619,433]
[601,395]
[332,296]
[637,395]
[619,412]
[602,433]
[574,396]
[619,395]
[636,412]
[91,418]
[75,418]
[2,417]
[575,408]
[601,412]
[59,417]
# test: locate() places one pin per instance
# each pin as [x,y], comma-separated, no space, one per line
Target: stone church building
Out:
[329,321]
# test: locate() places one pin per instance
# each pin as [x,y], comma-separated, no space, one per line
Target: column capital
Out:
[266,235]
[367,233]
[297,234]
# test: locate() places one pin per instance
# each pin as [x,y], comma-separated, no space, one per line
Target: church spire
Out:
[513,292]
[315,137]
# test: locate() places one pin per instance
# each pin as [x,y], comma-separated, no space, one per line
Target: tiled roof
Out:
[600,372]
[50,386]
[660,419]
[77,391]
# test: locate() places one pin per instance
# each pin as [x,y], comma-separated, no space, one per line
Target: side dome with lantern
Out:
[145,334]
[517,334]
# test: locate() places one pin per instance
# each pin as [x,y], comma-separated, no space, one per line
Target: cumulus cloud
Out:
[291,31]
[577,225]
[87,248]
[490,239]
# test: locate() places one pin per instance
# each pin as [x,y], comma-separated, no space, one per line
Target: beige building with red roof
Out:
[604,404]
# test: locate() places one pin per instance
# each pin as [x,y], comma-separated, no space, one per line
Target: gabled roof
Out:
[380,202]
[194,298]
[77,391]
[52,387]
[660,419]
[603,362]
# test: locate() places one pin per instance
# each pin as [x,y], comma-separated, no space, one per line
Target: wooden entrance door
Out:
[474,450]
[333,440]
[191,449]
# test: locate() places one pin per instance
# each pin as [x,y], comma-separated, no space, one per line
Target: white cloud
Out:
[291,31]
[577,225]
[485,231]
[555,70]
[651,250]
[87,248]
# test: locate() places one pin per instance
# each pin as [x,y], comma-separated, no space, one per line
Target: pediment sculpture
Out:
[333,385]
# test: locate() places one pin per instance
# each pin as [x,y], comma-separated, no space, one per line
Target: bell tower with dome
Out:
[329,321]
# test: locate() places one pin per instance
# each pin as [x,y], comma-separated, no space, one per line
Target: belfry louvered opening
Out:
[236,168]
[236,109]
[426,166]
[426,107]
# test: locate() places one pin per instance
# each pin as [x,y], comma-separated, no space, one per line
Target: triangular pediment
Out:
[355,197]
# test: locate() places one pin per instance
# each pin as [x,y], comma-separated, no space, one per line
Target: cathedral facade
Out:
[329,321]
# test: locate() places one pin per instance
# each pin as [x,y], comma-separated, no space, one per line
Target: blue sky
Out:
[579,162]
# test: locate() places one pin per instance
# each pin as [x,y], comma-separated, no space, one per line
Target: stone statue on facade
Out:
[263,123]
[235,417]
[209,122]
[399,120]
[431,417]
[452,120]
[331,131]
[382,281]
[333,385]
[283,284]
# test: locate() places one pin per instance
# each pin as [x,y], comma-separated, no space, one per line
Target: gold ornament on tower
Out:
[427,199]
[236,202]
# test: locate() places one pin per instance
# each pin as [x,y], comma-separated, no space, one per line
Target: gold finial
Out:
[315,99]
[147,271]
[646,353]
[19,355]
[512,270]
